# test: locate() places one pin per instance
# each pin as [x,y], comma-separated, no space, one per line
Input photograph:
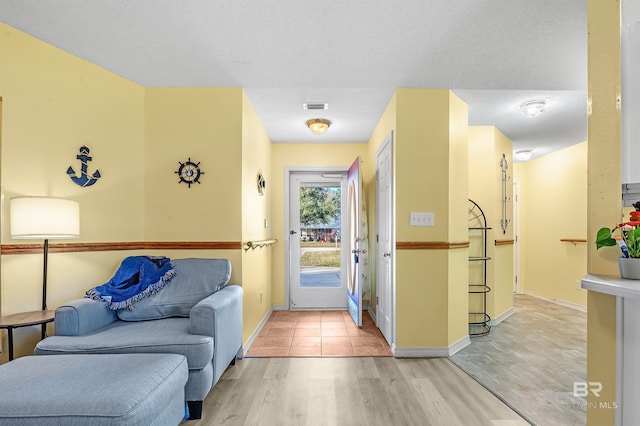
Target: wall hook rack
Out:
[258,244]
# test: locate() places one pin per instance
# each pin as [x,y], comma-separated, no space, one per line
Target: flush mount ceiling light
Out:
[318,125]
[533,107]
[523,155]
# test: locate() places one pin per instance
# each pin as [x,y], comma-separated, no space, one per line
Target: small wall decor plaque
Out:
[262,183]
[189,172]
[84,179]
[504,222]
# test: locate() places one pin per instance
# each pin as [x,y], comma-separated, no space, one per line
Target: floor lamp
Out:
[38,218]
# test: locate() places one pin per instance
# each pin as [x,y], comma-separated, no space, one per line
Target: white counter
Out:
[615,286]
[627,294]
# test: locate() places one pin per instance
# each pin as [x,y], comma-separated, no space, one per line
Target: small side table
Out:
[25,319]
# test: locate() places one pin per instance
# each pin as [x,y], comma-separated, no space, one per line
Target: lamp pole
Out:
[44,275]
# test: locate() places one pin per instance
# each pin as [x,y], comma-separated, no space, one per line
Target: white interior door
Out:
[516,237]
[317,261]
[385,257]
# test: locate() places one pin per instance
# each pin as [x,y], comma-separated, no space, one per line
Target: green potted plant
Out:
[629,243]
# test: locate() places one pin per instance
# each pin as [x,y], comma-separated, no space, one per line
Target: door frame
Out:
[517,282]
[288,171]
[392,211]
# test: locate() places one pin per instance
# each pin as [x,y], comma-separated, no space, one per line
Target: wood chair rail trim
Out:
[116,246]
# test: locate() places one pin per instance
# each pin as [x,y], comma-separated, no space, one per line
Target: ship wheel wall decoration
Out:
[189,172]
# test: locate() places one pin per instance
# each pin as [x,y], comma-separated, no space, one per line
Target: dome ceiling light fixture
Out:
[523,154]
[318,125]
[533,107]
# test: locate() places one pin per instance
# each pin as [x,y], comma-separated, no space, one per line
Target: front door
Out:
[356,247]
[317,261]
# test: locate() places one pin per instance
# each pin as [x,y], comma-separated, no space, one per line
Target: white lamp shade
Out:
[44,218]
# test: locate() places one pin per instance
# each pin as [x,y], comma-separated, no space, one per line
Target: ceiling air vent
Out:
[315,106]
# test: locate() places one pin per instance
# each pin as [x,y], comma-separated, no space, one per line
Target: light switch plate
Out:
[421,219]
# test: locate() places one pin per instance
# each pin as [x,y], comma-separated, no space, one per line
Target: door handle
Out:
[386,254]
[293,232]
[359,251]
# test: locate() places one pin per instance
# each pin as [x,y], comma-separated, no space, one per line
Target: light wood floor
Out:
[532,359]
[351,391]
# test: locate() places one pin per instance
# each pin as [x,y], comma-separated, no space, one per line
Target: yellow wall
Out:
[603,199]
[486,147]
[218,128]
[137,136]
[54,103]
[256,264]
[204,124]
[430,141]
[458,274]
[300,155]
[553,200]
[431,176]
[422,162]
[501,297]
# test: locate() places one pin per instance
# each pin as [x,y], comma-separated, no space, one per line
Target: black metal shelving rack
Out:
[479,322]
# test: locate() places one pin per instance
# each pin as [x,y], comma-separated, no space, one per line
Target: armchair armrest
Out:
[222,309]
[220,316]
[82,316]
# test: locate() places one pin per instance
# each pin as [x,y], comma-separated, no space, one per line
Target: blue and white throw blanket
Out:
[136,278]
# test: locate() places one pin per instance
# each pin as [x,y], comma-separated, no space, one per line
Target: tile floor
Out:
[318,334]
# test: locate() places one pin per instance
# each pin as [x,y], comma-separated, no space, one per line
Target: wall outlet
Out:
[260,297]
[266,223]
[421,219]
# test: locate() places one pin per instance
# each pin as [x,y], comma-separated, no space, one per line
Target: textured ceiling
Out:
[494,54]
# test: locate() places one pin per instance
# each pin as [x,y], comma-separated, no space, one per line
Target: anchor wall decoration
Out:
[84,179]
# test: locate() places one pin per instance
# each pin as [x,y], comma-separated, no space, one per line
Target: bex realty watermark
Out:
[583,389]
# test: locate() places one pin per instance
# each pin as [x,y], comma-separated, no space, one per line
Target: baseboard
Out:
[279,308]
[459,345]
[441,352]
[558,301]
[258,329]
[503,316]
[372,315]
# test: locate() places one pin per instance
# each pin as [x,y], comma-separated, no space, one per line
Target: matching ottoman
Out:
[122,389]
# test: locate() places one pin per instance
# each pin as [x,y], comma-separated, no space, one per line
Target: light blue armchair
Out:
[196,314]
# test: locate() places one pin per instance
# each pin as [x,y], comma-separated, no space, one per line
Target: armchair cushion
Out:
[169,335]
[195,280]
